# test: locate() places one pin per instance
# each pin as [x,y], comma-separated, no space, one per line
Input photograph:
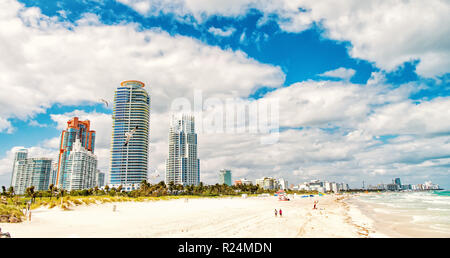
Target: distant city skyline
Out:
[354,105]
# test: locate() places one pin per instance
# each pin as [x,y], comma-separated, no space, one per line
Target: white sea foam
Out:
[384,211]
[424,208]
[438,209]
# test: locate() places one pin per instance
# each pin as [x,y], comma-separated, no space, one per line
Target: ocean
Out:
[411,214]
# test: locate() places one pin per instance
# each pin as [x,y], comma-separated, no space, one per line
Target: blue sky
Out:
[392,92]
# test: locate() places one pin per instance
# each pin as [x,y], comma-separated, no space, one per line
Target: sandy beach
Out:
[203,217]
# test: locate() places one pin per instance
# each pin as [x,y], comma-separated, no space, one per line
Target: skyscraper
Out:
[283,184]
[20,154]
[183,165]
[75,129]
[80,168]
[129,162]
[53,173]
[100,179]
[32,172]
[398,182]
[225,177]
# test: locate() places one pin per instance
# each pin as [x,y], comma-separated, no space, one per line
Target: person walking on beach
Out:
[276,213]
[315,203]
[281,213]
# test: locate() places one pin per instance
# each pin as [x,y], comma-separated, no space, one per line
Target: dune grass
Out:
[68,202]
[11,210]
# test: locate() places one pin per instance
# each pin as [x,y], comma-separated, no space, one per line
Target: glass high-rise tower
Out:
[31,172]
[21,154]
[129,163]
[225,177]
[183,165]
[81,168]
[76,129]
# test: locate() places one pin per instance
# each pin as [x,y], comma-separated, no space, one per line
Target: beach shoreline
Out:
[388,222]
[234,217]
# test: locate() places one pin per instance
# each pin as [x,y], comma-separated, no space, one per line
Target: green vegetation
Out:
[10,208]
[13,204]
[161,189]
[8,211]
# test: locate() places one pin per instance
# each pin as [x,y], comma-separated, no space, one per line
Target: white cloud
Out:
[342,73]
[36,124]
[68,67]
[348,154]
[222,32]
[5,126]
[328,103]
[200,9]
[388,33]
[391,32]
[408,153]
[406,117]
[350,150]
[67,64]
[52,143]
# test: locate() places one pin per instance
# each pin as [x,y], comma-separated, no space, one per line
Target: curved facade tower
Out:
[129,162]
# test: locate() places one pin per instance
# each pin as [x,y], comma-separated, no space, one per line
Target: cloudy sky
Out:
[362,86]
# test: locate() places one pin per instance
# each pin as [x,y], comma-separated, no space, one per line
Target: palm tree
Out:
[199,188]
[50,187]
[95,190]
[112,192]
[62,192]
[11,192]
[171,186]
[27,191]
[188,189]
[162,184]
[55,191]
[30,192]
[143,185]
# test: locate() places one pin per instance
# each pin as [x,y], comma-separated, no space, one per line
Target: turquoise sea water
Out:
[442,193]
[429,210]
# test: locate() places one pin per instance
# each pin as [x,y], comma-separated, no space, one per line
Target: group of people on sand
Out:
[280,211]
